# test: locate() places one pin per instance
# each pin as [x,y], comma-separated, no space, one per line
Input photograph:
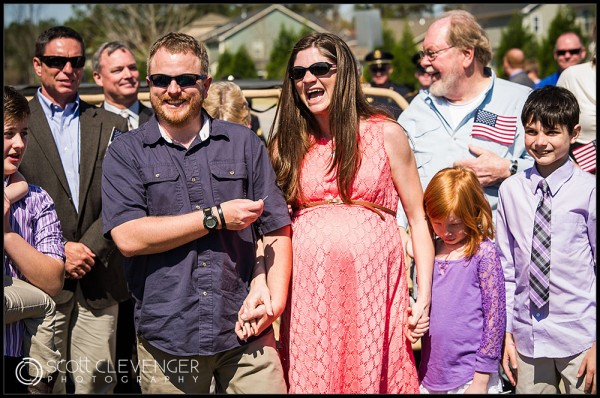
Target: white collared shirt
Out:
[203,133]
[132,113]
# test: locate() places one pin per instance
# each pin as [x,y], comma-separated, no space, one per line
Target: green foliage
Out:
[404,69]
[19,48]
[239,65]
[244,65]
[225,66]
[282,48]
[563,22]
[514,36]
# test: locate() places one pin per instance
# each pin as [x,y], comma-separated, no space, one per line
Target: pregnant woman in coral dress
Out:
[342,165]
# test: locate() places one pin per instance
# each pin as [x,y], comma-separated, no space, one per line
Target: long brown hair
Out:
[295,128]
[456,190]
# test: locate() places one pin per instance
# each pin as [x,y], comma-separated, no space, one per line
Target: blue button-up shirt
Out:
[437,145]
[187,298]
[64,124]
[567,325]
[550,80]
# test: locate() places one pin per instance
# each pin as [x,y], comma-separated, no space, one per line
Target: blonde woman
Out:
[226,101]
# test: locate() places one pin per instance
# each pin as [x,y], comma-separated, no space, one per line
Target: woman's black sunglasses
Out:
[185,80]
[54,61]
[317,69]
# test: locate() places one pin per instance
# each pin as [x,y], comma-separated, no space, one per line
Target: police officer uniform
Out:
[380,60]
[416,60]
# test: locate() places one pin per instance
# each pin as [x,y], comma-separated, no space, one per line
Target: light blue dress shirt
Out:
[567,325]
[437,145]
[64,124]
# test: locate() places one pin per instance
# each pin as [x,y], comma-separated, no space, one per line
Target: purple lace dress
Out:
[468,319]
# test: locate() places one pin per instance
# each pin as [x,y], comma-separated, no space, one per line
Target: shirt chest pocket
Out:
[164,193]
[229,180]
[574,227]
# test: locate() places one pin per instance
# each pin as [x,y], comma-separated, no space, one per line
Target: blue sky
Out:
[60,12]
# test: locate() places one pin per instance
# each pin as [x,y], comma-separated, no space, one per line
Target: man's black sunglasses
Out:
[185,80]
[317,69]
[54,61]
[574,51]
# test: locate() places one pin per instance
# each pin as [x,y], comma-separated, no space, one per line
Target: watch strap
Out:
[221,216]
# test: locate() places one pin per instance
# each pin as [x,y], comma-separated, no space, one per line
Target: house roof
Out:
[205,24]
[494,10]
[229,29]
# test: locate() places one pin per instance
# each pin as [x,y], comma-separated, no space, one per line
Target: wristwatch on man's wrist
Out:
[514,166]
[210,221]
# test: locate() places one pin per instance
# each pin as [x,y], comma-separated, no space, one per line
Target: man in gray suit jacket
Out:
[67,143]
[116,71]
[514,64]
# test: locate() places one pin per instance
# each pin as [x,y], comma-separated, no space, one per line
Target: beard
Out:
[179,117]
[444,86]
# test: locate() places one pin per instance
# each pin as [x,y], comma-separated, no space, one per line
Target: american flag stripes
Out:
[585,156]
[494,127]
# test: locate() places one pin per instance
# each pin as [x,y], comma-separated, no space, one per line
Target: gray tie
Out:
[539,269]
[125,114]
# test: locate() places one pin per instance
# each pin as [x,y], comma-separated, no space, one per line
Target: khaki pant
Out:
[254,368]
[544,375]
[23,301]
[86,339]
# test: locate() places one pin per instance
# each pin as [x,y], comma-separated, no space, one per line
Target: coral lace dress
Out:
[342,330]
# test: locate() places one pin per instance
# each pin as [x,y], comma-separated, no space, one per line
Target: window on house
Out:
[536,24]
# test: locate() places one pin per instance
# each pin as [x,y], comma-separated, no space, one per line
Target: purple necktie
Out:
[539,270]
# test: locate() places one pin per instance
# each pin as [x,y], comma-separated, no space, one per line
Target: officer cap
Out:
[378,57]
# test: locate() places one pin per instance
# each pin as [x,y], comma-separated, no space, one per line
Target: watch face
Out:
[210,222]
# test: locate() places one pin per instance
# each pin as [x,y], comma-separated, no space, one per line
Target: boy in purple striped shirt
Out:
[33,264]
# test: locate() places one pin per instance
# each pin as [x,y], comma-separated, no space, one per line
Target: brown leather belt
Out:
[369,205]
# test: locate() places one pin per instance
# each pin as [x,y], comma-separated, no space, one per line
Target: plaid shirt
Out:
[35,219]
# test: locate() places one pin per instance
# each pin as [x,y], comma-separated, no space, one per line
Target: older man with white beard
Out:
[469,117]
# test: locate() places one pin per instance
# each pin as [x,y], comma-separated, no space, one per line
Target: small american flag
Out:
[494,127]
[585,156]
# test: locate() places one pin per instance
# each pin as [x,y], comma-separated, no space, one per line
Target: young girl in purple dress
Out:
[462,349]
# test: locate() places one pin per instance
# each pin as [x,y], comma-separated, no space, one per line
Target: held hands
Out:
[80,260]
[257,312]
[239,213]
[489,168]
[417,322]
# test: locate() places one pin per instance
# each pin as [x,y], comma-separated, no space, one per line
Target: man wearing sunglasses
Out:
[380,68]
[187,198]
[568,51]
[68,140]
